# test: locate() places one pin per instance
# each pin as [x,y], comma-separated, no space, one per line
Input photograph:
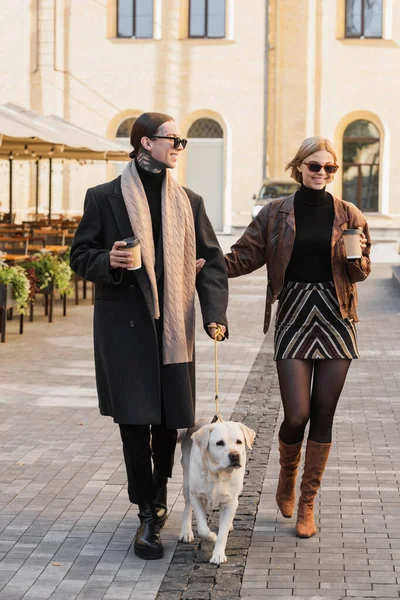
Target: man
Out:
[144,319]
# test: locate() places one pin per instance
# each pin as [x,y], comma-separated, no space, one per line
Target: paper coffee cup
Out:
[352,243]
[133,246]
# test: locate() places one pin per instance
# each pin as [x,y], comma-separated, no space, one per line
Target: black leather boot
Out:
[147,543]
[160,497]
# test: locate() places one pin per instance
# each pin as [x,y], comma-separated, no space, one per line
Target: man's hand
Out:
[120,259]
[216,331]
[363,242]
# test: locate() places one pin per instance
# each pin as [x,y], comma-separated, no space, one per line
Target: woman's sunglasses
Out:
[315,167]
[177,140]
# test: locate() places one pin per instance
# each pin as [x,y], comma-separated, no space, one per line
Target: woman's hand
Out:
[118,258]
[200,262]
[363,242]
[216,331]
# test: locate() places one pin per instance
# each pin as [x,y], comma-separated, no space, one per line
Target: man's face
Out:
[162,150]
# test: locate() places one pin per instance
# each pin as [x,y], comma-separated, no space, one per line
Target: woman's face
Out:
[162,150]
[317,181]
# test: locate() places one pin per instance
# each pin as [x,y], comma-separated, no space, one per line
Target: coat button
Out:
[131,324]
[131,288]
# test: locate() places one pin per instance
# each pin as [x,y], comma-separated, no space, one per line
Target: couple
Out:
[144,319]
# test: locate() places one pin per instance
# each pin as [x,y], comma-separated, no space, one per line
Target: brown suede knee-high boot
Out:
[289,461]
[314,466]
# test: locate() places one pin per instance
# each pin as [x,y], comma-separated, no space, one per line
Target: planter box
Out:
[7,301]
[49,289]
[7,296]
[48,293]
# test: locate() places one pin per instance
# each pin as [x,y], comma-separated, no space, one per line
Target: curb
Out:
[190,576]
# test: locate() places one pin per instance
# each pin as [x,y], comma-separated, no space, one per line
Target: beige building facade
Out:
[99,64]
[244,99]
[333,68]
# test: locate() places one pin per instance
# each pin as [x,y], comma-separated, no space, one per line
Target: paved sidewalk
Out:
[356,552]
[66,525]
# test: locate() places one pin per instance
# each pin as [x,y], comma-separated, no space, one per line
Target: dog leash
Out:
[217,416]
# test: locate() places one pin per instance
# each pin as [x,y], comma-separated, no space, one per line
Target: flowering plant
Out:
[42,268]
[19,282]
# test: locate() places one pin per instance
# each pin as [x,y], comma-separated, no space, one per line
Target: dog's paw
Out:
[186,537]
[218,558]
[209,537]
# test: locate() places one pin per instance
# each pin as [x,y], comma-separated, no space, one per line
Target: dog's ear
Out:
[249,434]
[202,436]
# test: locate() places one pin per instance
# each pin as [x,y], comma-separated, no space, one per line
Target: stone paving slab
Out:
[356,550]
[66,525]
[190,575]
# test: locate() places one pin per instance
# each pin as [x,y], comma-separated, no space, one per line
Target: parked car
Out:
[270,190]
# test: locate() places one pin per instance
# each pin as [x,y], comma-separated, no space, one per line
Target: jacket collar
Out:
[340,215]
[119,210]
[117,186]
[287,207]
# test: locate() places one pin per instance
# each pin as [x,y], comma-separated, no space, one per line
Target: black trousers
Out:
[138,452]
[141,443]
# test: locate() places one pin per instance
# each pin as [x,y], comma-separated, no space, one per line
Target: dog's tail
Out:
[190,430]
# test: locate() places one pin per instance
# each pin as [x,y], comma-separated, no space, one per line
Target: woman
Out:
[144,319]
[300,240]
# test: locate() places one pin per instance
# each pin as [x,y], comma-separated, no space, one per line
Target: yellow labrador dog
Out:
[213,461]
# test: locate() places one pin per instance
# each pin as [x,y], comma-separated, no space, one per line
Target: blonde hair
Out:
[309,146]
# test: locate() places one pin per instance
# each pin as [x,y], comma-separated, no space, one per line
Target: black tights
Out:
[303,403]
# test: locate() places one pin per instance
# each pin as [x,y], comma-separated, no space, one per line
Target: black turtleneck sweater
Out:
[152,183]
[311,256]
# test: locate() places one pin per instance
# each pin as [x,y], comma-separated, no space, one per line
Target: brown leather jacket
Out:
[269,240]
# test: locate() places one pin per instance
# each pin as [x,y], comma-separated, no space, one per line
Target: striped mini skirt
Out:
[309,324]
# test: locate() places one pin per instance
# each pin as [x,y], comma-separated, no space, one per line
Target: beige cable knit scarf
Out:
[179,246]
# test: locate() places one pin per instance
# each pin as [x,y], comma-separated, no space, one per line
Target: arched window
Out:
[124,130]
[361,146]
[124,135]
[205,128]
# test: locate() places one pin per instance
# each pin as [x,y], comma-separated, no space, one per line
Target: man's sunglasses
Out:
[315,167]
[177,140]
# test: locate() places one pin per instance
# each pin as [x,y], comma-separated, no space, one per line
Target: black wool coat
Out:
[133,386]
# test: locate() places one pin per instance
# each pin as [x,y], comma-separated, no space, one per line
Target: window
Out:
[364,18]
[135,18]
[361,146]
[124,130]
[207,19]
[205,128]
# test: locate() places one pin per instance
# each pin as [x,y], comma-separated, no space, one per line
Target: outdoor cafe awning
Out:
[26,135]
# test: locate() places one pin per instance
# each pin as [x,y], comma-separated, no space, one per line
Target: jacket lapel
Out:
[120,213]
[288,208]
[340,218]
[119,210]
